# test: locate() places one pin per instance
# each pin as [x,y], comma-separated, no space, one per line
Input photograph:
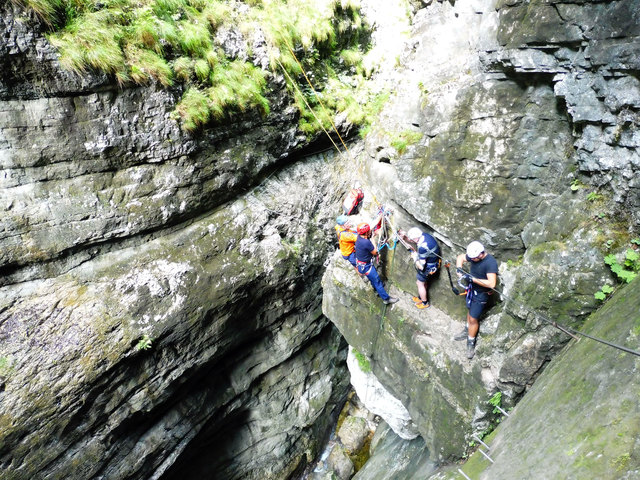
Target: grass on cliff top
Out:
[173,43]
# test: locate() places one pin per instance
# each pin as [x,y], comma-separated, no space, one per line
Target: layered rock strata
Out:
[160,292]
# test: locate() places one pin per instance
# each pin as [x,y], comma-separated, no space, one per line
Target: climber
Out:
[365,253]
[484,276]
[426,257]
[346,239]
[353,200]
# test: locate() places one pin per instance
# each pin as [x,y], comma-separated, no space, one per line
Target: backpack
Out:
[353,201]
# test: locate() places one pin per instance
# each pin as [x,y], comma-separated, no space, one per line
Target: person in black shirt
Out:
[484,276]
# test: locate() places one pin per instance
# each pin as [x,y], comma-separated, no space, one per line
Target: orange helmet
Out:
[363,229]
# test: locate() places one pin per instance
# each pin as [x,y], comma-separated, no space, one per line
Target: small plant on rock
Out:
[593,196]
[496,401]
[604,292]
[6,366]
[404,139]
[576,185]
[363,361]
[628,269]
[145,343]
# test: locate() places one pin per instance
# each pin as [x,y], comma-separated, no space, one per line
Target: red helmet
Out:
[363,229]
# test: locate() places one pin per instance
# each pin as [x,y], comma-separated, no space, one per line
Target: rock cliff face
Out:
[161,293]
[521,120]
[160,311]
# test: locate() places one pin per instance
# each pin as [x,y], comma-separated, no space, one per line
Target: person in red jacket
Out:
[353,201]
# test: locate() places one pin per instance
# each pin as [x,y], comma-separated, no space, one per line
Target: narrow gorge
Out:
[172,301]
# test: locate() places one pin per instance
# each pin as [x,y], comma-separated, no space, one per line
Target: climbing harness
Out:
[572,332]
[383,243]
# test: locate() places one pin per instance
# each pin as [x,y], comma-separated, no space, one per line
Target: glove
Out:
[468,278]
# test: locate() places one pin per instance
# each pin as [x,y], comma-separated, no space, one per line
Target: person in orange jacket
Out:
[346,238]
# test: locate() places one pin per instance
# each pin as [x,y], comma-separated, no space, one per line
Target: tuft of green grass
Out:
[169,41]
[92,42]
[193,109]
[148,66]
[351,57]
[194,38]
[202,69]
[363,361]
[216,13]
[183,68]
[402,140]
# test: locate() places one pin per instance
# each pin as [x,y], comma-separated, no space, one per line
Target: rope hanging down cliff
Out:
[572,332]
[324,110]
[565,329]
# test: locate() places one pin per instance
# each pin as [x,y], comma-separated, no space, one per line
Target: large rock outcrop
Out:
[160,291]
[579,420]
[506,125]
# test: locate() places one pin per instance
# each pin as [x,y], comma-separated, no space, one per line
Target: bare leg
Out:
[473,325]
[422,290]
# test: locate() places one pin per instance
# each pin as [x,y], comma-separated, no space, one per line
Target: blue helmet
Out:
[342,219]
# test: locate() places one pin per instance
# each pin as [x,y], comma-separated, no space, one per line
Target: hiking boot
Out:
[463,335]
[390,300]
[471,348]
[416,299]
[422,304]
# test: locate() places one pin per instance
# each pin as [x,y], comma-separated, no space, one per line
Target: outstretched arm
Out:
[490,282]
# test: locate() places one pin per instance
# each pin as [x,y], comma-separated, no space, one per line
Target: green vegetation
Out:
[620,463]
[6,366]
[593,196]
[173,43]
[576,185]
[144,343]
[496,401]
[363,361]
[625,270]
[628,269]
[604,292]
[402,140]
[516,262]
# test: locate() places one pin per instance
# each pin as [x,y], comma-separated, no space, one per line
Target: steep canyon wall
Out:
[509,105]
[118,229]
[160,300]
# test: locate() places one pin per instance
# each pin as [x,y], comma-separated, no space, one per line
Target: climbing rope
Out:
[391,248]
[295,85]
[565,329]
[316,96]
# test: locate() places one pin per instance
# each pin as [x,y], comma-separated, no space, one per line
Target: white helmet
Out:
[414,233]
[474,249]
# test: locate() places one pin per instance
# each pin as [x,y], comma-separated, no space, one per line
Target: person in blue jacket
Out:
[365,253]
